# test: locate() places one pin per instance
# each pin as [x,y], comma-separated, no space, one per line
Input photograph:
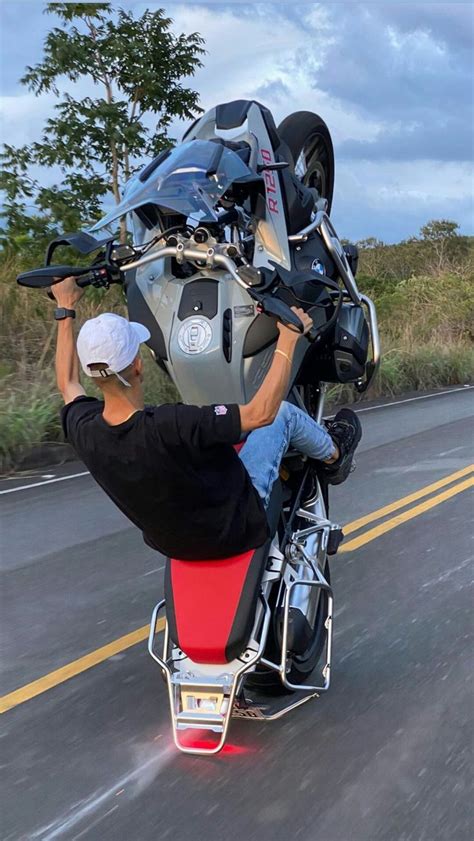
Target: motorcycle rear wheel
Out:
[310,144]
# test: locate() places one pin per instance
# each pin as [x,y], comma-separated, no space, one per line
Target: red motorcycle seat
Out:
[210,605]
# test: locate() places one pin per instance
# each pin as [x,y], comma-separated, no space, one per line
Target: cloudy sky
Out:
[393,82]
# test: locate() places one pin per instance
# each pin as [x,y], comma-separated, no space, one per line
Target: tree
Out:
[134,69]
[440,235]
[439,229]
[372,257]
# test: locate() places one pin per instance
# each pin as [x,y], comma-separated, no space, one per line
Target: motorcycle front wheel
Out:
[310,144]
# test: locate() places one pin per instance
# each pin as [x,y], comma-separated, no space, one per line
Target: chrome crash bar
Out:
[324,226]
[375,337]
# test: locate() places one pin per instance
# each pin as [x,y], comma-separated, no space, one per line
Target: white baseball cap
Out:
[111,340]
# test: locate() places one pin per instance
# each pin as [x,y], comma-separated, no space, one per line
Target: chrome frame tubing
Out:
[320,403]
[323,224]
[336,250]
[261,716]
[283,666]
[375,337]
[163,663]
[318,416]
[303,235]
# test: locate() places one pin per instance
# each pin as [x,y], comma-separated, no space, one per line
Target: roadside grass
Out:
[29,409]
[426,327]
[422,368]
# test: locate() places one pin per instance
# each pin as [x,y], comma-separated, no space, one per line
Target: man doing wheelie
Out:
[172,469]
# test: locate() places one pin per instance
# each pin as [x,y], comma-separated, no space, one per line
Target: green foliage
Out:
[28,416]
[426,327]
[437,250]
[30,403]
[137,67]
[421,310]
[439,229]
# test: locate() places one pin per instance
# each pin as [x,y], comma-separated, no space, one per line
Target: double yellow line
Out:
[93,658]
[392,523]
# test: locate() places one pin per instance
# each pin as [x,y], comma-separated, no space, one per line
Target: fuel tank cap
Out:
[194,335]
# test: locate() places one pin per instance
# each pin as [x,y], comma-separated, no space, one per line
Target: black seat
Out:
[240,147]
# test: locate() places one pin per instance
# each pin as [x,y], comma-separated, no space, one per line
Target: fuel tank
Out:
[205,332]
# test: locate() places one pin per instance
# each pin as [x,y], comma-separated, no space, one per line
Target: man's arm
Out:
[67,294]
[263,408]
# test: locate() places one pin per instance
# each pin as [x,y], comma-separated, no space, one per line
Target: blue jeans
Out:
[265,447]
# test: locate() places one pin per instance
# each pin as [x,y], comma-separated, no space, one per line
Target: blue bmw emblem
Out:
[317,266]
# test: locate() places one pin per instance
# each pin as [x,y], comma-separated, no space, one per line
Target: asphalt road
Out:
[384,756]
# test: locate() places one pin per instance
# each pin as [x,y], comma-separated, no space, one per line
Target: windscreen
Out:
[189,181]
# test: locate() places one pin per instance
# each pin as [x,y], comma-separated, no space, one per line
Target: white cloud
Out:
[387,78]
[246,53]
[22,117]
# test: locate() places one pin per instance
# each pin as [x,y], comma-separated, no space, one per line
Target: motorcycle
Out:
[230,229]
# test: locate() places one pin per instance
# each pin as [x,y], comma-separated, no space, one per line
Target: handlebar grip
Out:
[84,281]
[48,276]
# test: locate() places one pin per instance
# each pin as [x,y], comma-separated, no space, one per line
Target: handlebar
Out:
[49,275]
[100,275]
[103,274]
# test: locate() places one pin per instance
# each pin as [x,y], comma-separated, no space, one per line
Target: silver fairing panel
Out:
[271,236]
[205,376]
[201,373]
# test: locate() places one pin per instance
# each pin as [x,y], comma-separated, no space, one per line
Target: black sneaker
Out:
[346,432]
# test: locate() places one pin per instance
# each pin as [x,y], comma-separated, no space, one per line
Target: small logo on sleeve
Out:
[220,410]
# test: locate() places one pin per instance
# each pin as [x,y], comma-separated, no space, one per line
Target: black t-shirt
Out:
[173,472]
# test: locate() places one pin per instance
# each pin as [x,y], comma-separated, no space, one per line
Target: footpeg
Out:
[244,708]
[336,536]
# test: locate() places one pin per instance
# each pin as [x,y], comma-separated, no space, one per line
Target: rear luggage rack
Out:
[207,703]
[199,701]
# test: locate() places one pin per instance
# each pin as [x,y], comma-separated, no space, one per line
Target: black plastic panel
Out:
[262,333]
[298,201]
[313,258]
[138,310]
[199,297]
[232,114]
[81,241]
[342,356]
[227,334]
